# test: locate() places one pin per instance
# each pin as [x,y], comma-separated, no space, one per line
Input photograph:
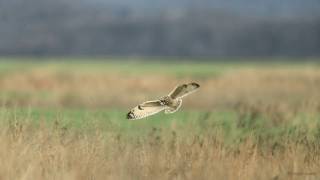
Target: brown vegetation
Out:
[56,153]
[41,151]
[46,87]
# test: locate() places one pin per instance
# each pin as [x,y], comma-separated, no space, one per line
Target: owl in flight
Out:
[170,103]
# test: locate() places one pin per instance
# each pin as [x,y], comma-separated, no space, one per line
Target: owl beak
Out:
[130,115]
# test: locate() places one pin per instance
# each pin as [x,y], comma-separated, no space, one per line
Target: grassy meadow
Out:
[66,120]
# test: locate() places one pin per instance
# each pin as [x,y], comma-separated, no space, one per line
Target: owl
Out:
[170,103]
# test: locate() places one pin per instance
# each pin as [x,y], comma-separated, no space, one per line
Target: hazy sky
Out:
[161,27]
[258,7]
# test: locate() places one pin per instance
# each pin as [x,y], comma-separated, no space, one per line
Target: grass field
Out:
[66,120]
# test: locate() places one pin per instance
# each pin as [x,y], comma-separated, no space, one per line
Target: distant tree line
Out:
[67,27]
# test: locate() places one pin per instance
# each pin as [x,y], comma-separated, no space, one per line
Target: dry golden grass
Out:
[32,151]
[56,88]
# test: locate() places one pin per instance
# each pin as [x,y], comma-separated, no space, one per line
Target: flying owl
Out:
[170,103]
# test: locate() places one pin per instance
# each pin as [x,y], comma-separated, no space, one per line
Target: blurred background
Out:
[70,70]
[185,28]
[70,53]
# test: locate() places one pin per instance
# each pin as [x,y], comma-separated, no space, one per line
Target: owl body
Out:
[170,103]
[166,100]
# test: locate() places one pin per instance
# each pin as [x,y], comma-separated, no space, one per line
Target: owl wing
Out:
[145,109]
[184,90]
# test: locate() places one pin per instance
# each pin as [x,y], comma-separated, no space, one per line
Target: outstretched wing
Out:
[146,109]
[183,90]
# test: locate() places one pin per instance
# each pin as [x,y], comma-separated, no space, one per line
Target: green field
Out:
[225,125]
[139,66]
[249,120]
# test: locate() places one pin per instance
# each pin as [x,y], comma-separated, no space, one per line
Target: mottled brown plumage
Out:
[170,103]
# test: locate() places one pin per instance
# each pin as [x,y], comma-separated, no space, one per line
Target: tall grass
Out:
[246,122]
[41,144]
[50,86]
